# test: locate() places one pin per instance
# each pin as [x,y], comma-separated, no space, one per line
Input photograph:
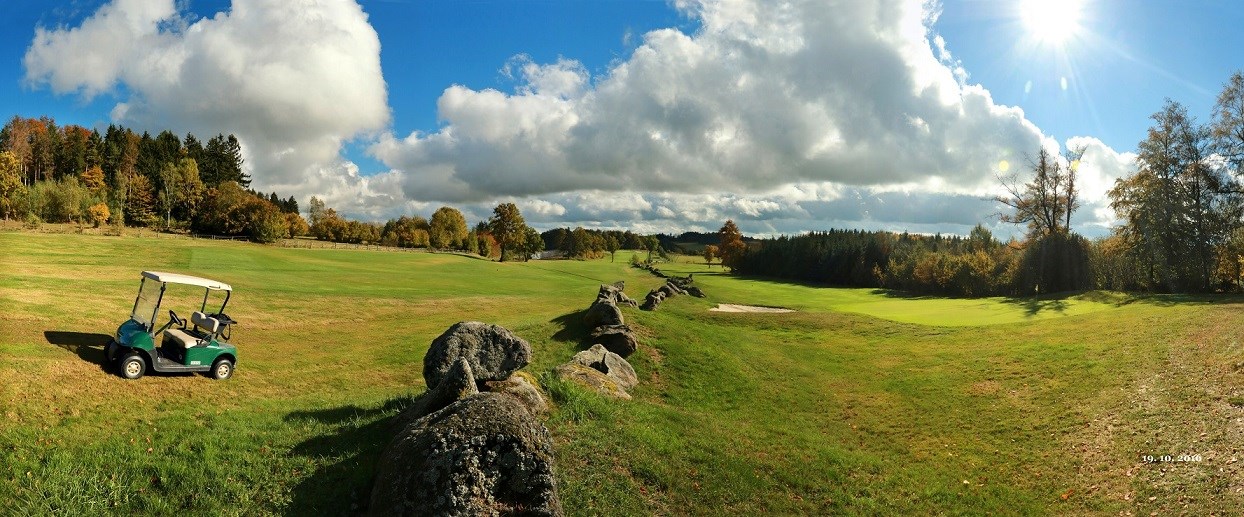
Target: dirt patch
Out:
[988,387]
[730,307]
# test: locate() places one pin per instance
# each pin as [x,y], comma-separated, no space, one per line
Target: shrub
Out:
[98,214]
[265,223]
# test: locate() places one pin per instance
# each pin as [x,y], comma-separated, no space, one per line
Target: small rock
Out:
[653,300]
[608,363]
[493,352]
[623,299]
[592,379]
[618,339]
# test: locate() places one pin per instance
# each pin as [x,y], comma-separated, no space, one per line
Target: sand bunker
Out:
[730,307]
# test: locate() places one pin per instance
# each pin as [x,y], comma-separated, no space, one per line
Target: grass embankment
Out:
[854,404]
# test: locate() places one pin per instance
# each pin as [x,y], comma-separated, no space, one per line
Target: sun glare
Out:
[1051,21]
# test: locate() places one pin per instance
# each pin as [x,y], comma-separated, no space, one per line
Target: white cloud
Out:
[787,116]
[293,79]
[763,96]
[1099,168]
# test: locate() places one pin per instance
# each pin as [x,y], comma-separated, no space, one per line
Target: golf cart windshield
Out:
[146,303]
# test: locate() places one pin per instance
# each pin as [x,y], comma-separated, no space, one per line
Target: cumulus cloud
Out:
[293,79]
[763,95]
[1099,167]
[784,115]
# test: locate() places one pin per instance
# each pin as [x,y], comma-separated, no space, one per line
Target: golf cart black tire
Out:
[110,352]
[140,368]
[217,368]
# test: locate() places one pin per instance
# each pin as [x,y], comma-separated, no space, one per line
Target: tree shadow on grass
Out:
[1170,300]
[1035,305]
[348,454]
[905,295]
[88,345]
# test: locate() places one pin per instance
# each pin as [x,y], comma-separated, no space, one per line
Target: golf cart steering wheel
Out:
[173,317]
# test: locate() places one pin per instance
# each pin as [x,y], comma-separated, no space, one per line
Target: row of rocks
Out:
[471,445]
[673,286]
[603,367]
[605,319]
[651,268]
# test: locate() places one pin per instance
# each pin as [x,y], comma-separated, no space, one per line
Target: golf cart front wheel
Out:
[222,369]
[133,366]
[110,351]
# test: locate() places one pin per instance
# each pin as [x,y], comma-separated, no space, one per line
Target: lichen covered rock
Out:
[608,363]
[493,352]
[592,379]
[482,455]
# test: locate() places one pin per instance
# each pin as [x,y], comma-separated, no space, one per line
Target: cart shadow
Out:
[347,454]
[88,345]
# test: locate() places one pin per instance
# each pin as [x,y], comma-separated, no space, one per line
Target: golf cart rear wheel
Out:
[133,366]
[222,369]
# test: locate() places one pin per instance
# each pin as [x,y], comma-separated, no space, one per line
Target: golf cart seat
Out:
[182,338]
[204,328]
[208,324]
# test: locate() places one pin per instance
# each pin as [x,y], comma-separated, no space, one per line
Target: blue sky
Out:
[654,115]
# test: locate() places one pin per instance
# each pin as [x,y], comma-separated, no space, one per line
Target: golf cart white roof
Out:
[177,278]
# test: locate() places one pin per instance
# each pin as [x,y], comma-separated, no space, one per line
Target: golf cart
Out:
[198,345]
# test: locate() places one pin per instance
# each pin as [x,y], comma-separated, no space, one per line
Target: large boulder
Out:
[458,383]
[602,312]
[493,352]
[619,339]
[696,292]
[592,379]
[482,455]
[522,386]
[613,365]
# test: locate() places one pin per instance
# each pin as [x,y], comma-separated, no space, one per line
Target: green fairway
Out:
[892,305]
[861,402]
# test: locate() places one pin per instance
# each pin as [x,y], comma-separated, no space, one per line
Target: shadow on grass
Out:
[1035,305]
[905,295]
[1168,300]
[88,346]
[573,329]
[347,454]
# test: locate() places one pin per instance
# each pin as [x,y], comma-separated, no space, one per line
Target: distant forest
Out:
[51,173]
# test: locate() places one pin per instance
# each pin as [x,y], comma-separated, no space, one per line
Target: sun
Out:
[1051,21]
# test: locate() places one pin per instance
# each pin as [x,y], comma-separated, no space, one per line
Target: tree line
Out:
[504,236]
[1181,226]
[52,173]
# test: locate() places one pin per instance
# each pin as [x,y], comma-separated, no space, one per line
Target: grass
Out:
[862,402]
